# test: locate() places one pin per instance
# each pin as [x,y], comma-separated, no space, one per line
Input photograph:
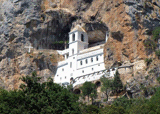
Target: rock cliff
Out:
[44,22]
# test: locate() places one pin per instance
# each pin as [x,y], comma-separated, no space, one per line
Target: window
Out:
[70,64]
[60,78]
[82,37]
[97,58]
[86,61]
[92,69]
[72,51]
[62,69]
[57,75]
[80,62]
[82,71]
[91,59]
[65,77]
[73,37]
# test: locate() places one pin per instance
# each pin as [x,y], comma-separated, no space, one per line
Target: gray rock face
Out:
[14,36]
[140,8]
[23,22]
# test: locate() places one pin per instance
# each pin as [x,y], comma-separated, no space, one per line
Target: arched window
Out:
[82,37]
[73,37]
[86,61]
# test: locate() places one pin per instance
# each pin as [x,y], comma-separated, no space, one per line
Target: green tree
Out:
[36,97]
[12,102]
[117,83]
[89,90]
[106,86]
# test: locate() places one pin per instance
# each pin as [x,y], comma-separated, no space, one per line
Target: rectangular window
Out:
[91,59]
[70,64]
[72,51]
[73,37]
[80,62]
[97,58]
[86,61]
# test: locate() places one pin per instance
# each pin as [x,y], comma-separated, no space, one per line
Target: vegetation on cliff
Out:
[36,98]
[48,97]
[111,85]
[89,90]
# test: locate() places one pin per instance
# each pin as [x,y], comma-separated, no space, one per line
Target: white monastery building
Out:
[81,63]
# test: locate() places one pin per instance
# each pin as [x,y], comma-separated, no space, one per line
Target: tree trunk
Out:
[107,96]
[92,101]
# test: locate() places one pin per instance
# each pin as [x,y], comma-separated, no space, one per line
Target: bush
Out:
[150,44]
[156,33]
[148,61]
[158,53]
[158,79]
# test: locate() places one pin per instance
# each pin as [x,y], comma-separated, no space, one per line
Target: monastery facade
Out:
[81,63]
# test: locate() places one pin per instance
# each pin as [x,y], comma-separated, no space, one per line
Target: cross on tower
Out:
[29,48]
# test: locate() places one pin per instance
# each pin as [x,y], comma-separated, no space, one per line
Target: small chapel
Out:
[82,63]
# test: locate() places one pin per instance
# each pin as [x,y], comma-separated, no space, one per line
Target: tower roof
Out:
[77,28]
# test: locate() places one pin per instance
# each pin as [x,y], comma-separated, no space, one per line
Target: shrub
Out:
[158,53]
[150,44]
[158,79]
[156,33]
[148,61]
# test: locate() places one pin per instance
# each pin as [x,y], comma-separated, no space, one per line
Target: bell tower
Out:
[78,40]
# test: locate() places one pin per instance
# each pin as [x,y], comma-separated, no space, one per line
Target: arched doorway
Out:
[77,91]
[98,84]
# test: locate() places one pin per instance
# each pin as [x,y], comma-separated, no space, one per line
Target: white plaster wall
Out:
[90,63]
[73,46]
[62,75]
[89,69]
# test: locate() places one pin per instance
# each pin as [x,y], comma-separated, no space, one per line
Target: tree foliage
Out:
[106,85]
[48,98]
[117,83]
[156,34]
[89,90]
[35,98]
